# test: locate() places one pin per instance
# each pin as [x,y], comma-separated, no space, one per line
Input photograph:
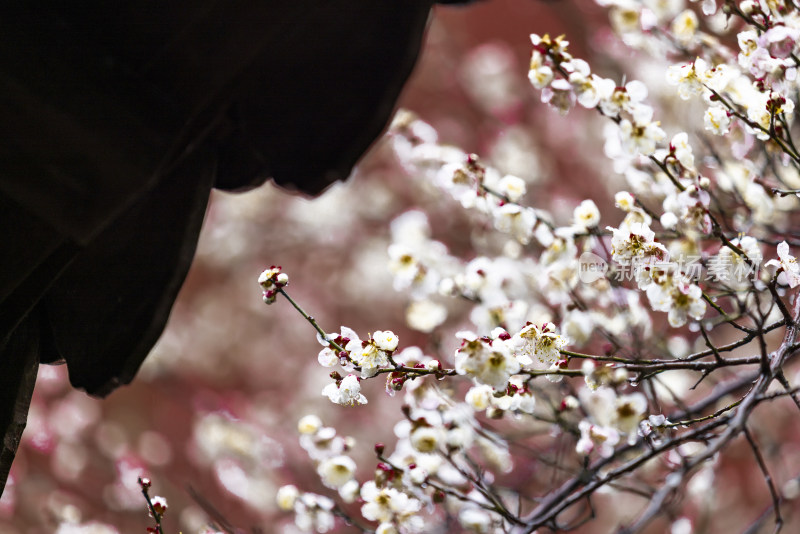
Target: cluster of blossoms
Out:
[531,307]
[430,468]
[368,357]
[473,184]
[271,281]
[492,360]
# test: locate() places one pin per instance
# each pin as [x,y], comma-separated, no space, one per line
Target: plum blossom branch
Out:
[557,337]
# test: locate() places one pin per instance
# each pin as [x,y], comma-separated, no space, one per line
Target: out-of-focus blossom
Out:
[335,472]
[586,215]
[287,496]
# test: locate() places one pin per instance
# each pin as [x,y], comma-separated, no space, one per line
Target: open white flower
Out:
[641,135]
[677,296]
[368,355]
[685,26]
[386,504]
[385,340]
[487,361]
[309,424]
[604,439]
[689,77]
[337,471]
[426,438]
[347,393]
[636,243]
[586,215]
[542,342]
[717,120]
[791,270]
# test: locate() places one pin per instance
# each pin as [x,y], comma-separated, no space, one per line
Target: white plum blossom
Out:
[511,187]
[323,444]
[388,505]
[669,220]
[425,315]
[585,84]
[610,411]
[689,77]
[346,393]
[717,120]
[664,10]
[625,201]
[681,299]
[559,95]
[516,220]
[748,45]
[314,513]
[542,343]
[372,355]
[594,437]
[788,264]
[733,269]
[309,424]
[680,148]
[636,243]
[578,326]
[640,135]
[426,438]
[337,471]
[287,496]
[368,356]
[602,375]
[489,361]
[327,356]
[629,98]
[410,271]
[272,281]
[386,528]
[586,215]
[475,520]
[684,27]
[479,397]
[626,19]
[762,109]
[385,340]
[692,207]
[629,411]
[539,74]
[482,397]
